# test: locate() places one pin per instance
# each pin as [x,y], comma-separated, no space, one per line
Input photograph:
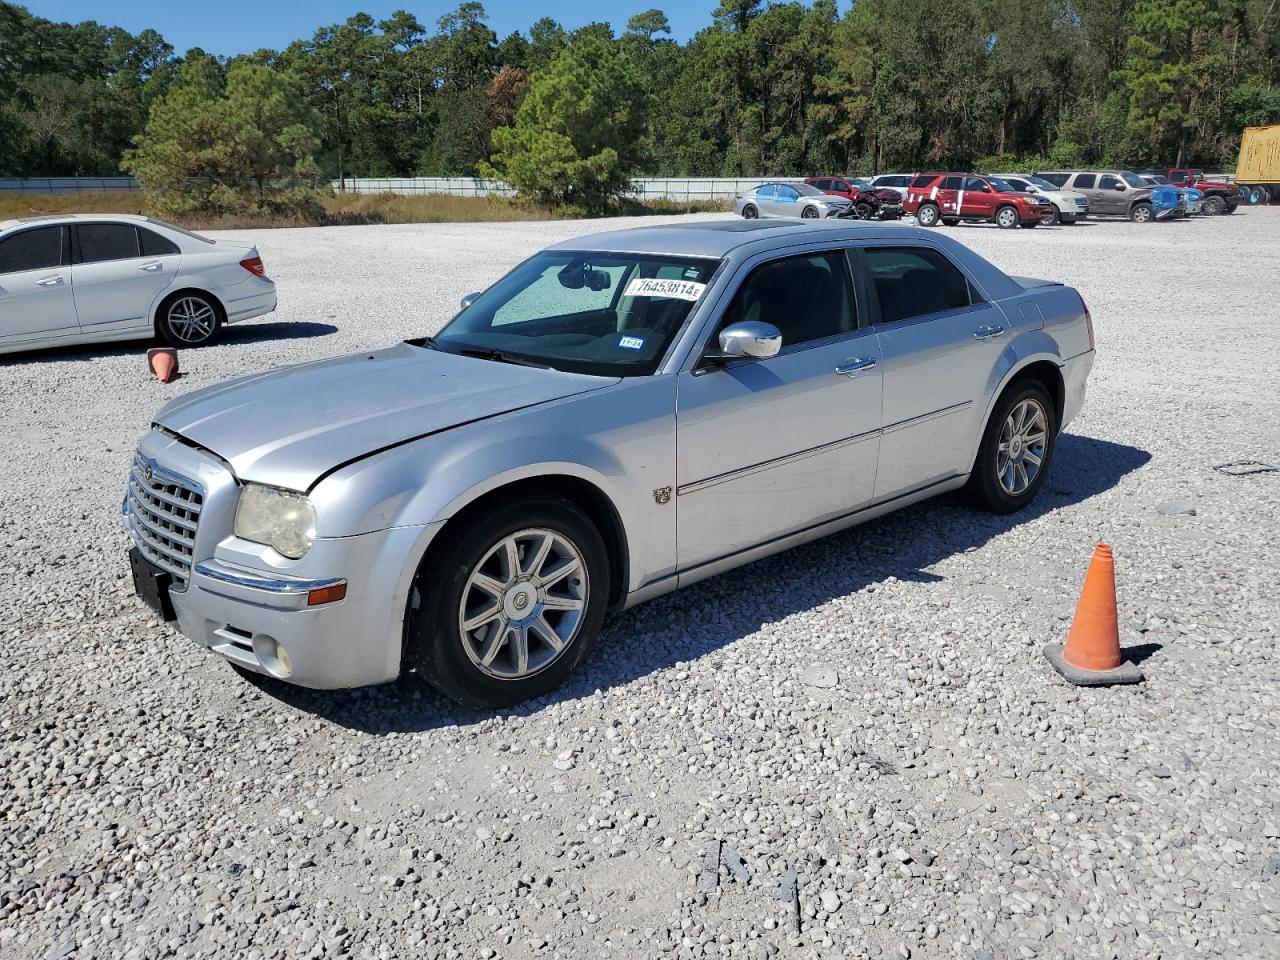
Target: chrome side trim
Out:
[926,417]
[238,576]
[697,485]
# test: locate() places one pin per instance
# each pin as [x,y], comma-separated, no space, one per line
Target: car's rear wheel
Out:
[809,213]
[1214,204]
[1016,449]
[189,319]
[1141,213]
[750,212]
[928,215]
[511,604]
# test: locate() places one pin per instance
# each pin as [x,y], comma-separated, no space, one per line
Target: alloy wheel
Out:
[1021,450]
[1006,217]
[192,319]
[523,604]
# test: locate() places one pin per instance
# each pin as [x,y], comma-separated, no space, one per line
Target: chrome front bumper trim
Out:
[255,587]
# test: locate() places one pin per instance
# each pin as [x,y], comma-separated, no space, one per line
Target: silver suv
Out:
[1116,193]
[621,415]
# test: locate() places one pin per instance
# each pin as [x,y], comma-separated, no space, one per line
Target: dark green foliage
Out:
[778,87]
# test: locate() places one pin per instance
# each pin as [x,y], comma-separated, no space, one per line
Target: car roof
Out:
[55,218]
[717,238]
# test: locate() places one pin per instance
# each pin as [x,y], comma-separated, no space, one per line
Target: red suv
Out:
[868,201]
[949,198]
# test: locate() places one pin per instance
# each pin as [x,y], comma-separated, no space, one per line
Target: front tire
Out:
[1051,218]
[189,319]
[510,604]
[1016,450]
[1141,213]
[928,215]
[864,211]
[1214,205]
[1006,218]
[809,213]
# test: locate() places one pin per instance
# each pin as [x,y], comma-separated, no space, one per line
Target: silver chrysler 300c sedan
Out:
[619,416]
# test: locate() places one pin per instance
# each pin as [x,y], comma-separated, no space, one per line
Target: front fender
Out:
[1031,347]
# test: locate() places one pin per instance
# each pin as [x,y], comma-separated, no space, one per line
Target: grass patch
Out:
[348,208]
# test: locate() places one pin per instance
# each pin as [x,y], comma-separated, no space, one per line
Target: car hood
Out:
[291,426]
[887,194]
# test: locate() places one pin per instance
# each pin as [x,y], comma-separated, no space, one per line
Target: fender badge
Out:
[662,495]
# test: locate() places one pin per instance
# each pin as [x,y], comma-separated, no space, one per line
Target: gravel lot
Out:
[704,787]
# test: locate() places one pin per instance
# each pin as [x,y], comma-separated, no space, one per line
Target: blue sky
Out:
[238,26]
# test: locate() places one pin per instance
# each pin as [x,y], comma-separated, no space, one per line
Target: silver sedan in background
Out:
[790,200]
[621,415]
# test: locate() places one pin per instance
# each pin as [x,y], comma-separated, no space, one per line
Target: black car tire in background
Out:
[1141,213]
[1214,204]
[749,212]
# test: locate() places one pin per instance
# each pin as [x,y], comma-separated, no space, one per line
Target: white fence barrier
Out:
[643,188]
[47,185]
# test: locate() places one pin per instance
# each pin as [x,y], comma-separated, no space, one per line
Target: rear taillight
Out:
[1088,321]
[254,266]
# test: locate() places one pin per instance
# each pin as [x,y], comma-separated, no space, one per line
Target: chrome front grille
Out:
[165,511]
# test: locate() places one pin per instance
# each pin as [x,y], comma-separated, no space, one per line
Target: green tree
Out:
[577,138]
[236,146]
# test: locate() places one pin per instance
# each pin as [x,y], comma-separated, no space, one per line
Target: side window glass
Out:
[952,183]
[1085,181]
[766,192]
[807,298]
[975,183]
[915,282]
[923,180]
[1108,183]
[38,249]
[787,193]
[154,245]
[107,241]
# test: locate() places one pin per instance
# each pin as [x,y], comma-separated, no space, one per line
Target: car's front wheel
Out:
[1141,213]
[864,211]
[1016,449]
[1051,217]
[1006,218]
[1214,204]
[510,604]
[189,320]
[809,213]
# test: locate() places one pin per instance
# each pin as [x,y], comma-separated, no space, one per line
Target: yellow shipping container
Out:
[1259,155]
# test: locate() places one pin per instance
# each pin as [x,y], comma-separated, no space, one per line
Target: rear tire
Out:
[189,319]
[749,212]
[1002,480]
[472,575]
[928,215]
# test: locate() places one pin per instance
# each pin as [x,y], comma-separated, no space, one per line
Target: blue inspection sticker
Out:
[631,343]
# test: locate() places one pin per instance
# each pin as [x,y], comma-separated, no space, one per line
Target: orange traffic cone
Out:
[164,363]
[1091,657]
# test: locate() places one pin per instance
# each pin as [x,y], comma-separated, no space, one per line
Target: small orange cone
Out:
[1091,657]
[164,363]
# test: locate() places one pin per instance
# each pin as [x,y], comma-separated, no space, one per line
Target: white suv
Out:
[81,278]
[1067,205]
[893,181]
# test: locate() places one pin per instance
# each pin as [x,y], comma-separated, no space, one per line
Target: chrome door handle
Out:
[49,282]
[856,365]
[151,267]
[986,333]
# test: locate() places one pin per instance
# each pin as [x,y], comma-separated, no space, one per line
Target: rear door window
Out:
[154,245]
[923,180]
[38,249]
[100,242]
[1085,181]
[915,282]
[952,183]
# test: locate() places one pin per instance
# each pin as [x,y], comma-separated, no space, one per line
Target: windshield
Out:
[1133,180]
[862,184]
[1004,186]
[608,314]
[1039,182]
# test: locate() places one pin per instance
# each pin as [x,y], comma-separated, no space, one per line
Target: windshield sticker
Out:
[631,343]
[653,287]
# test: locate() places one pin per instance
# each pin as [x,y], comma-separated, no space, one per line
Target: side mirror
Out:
[1119,188]
[469,299]
[750,339]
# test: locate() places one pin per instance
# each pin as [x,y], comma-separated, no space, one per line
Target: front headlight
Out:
[281,519]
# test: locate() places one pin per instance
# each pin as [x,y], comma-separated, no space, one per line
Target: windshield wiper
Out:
[427,343]
[489,353]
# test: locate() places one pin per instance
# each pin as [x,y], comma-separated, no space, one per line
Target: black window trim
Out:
[976,298]
[64,255]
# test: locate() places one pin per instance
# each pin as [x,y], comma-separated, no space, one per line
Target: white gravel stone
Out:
[155,803]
